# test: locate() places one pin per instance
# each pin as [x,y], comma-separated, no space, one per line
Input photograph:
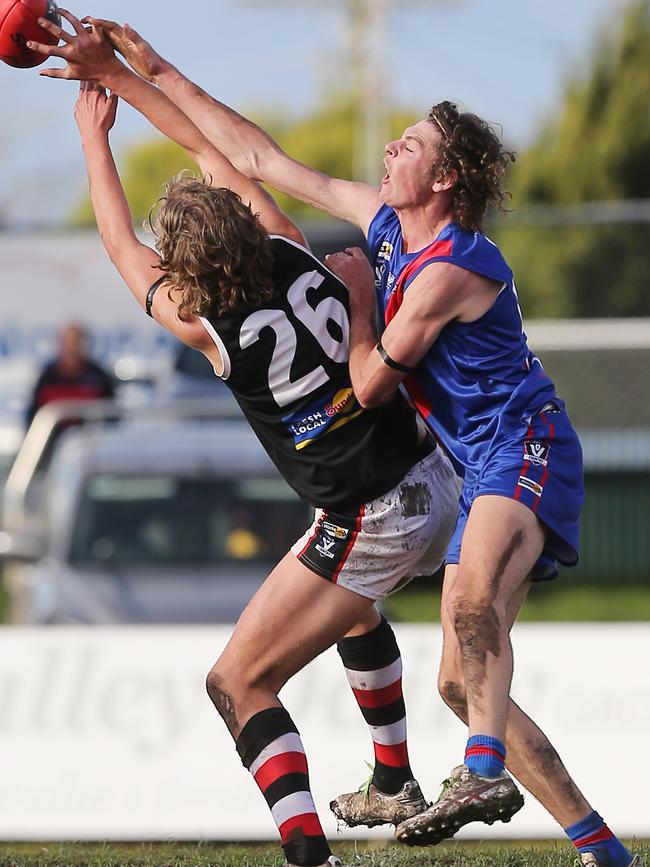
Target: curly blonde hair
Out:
[213,248]
[470,147]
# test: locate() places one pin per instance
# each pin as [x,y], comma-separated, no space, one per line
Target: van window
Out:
[166,520]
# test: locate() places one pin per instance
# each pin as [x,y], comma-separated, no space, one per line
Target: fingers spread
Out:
[54,73]
[54,29]
[47,50]
[111,31]
[104,23]
[72,19]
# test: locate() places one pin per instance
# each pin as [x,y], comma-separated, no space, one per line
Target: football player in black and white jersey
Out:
[233,278]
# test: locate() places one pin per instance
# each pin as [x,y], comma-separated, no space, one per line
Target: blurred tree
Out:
[596,149]
[323,140]
[144,170]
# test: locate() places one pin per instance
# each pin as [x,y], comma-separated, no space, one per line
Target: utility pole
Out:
[365,57]
[366,42]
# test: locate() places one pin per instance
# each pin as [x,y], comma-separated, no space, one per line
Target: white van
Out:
[148,520]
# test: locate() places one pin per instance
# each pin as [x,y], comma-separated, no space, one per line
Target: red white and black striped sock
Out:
[373,666]
[270,747]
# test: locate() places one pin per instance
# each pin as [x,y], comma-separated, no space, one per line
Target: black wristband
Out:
[385,357]
[151,293]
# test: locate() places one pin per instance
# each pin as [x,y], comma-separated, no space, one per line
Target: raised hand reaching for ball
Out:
[94,110]
[138,53]
[88,54]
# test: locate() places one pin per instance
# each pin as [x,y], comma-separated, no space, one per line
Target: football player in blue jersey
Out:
[453,337]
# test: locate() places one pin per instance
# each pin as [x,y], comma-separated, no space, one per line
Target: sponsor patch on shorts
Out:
[530,485]
[536,451]
[329,543]
[335,530]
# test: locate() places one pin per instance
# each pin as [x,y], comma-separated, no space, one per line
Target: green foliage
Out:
[324,140]
[567,600]
[145,170]
[597,148]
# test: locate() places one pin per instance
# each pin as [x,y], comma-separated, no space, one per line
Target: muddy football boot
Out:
[588,859]
[369,806]
[332,861]
[465,797]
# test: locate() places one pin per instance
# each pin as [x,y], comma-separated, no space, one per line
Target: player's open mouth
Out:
[386,178]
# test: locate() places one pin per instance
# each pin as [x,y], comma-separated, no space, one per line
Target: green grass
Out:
[559,603]
[354,855]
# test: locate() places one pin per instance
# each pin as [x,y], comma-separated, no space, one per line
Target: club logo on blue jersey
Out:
[385,251]
[536,452]
[328,414]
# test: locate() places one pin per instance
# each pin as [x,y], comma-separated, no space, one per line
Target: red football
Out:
[19,24]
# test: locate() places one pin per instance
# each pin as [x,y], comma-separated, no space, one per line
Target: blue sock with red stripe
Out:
[591,834]
[485,756]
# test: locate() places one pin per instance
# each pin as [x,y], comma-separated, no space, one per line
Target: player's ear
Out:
[445,183]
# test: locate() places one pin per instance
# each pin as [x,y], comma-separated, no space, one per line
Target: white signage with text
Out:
[107,733]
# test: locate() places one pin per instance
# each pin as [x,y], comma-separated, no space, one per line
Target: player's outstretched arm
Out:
[249,148]
[137,263]
[168,118]
[87,53]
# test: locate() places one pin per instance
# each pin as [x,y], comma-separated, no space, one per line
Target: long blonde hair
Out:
[214,249]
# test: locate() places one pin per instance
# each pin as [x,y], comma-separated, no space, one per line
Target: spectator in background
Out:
[72,375]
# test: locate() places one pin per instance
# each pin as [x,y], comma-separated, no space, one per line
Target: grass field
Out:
[570,602]
[361,855]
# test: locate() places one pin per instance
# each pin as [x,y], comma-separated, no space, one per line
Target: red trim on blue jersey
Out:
[524,467]
[542,481]
[437,248]
[418,396]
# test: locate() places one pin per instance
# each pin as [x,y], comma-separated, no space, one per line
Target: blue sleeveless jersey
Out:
[479,384]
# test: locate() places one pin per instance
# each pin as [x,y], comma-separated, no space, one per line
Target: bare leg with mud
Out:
[501,543]
[531,758]
[292,618]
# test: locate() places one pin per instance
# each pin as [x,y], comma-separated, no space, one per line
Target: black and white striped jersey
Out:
[286,363]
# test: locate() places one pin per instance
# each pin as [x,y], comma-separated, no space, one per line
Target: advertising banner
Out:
[107,733]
